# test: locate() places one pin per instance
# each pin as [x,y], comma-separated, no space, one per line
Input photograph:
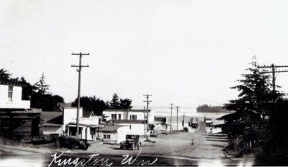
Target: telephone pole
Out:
[183,120]
[171,117]
[80,66]
[147,109]
[273,68]
[177,107]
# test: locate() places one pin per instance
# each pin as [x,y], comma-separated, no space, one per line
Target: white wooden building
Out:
[135,119]
[113,133]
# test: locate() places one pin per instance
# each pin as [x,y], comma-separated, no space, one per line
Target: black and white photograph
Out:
[143,83]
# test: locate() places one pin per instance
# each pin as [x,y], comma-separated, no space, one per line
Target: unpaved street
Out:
[174,149]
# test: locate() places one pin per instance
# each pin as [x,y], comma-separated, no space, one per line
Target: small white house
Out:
[11,97]
[160,124]
[88,127]
[113,133]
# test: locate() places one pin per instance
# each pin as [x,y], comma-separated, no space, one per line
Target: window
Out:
[114,116]
[133,117]
[119,116]
[107,136]
[10,93]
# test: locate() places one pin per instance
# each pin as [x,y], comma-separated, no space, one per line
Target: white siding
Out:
[109,114]
[116,137]
[136,129]
[140,115]
[16,102]
[70,115]
[125,115]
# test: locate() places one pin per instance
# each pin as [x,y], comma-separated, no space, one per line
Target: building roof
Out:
[2,82]
[85,124]
[87,114]
[21,110]
[110,128]
[125,110]
[128,121]
[52,117]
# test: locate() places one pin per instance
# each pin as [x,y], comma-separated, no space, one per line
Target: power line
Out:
[80,66]
[147,109]
[177,107]
[273,68]
[171,117]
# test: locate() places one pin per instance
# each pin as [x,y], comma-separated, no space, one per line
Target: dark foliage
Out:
[248,126]
[211,109]
[36,93]
[117,103]
[91,104]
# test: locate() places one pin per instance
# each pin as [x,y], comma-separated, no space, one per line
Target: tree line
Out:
[40,97]
[258,123]
[211,109]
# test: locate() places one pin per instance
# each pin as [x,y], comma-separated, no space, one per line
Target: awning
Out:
[73,124]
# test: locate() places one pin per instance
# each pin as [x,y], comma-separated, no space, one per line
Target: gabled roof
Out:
[125,110]
[52,117]
[110,128]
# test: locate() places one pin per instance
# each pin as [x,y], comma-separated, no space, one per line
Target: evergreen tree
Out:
[41,86]
[4,75]
[91,104]
[247,126]
[115,103]
[125,103]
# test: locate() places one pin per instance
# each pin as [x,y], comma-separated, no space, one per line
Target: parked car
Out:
[73,143]
[132,141]
[129,143]
[153,133]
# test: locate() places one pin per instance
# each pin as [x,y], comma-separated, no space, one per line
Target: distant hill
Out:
[211,109]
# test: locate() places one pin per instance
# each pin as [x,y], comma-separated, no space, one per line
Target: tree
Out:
[278,127]
[247,127]
[125,103]
[90,104]
[27,89]
[41,86]
[115,104]
[42,99]
[118,103]
[4,75]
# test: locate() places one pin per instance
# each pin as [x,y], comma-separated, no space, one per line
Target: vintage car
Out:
[132,141]
[129,143]
[73,143]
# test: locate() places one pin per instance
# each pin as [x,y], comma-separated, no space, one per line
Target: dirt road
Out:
[173,150]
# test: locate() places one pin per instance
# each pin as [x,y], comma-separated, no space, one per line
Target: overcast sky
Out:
[186,52]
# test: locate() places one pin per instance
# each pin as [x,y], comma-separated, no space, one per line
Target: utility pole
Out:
[183,120]
[273,68]
[177,107]
[171,117]
[80,66]
[147,109]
